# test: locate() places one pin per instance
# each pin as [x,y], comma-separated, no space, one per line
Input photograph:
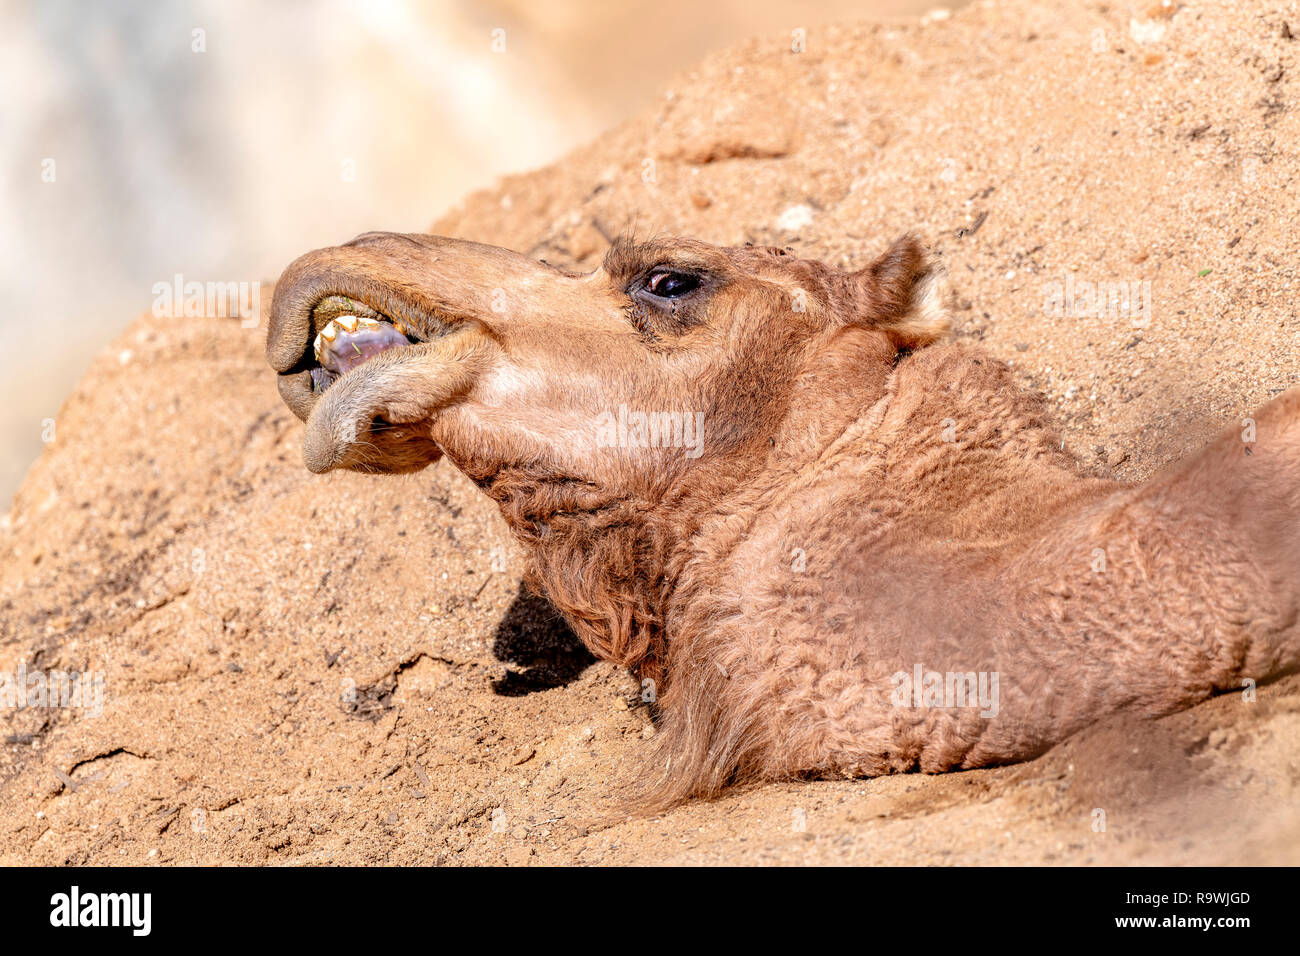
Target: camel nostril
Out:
[375,238]
[365,239]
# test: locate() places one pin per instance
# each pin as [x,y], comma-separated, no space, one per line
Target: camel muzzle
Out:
[337,309]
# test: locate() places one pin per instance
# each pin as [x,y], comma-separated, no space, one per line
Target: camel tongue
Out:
[350,340]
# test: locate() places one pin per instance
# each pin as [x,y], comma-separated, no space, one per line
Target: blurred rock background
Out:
[218,139]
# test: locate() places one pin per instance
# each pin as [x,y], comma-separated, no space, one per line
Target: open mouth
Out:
[352,334]
[369,353]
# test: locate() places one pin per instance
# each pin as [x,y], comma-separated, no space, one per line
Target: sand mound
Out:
[343,669]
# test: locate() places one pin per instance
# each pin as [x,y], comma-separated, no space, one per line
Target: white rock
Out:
[795,218]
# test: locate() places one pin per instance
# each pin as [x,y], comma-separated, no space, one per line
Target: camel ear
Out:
[904,293]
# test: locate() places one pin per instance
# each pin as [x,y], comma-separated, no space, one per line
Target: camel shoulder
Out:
[968,398]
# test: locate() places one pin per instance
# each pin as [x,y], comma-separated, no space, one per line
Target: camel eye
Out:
[671,285]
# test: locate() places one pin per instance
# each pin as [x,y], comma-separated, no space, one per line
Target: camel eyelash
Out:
[638,316]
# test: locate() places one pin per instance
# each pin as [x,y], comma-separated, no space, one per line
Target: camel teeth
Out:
[348,322]
[368,323]
[316,346]
[329,332]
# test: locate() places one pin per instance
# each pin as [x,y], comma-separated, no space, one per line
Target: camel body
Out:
[807,641]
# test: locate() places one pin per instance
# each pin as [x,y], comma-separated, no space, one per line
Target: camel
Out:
[827,542]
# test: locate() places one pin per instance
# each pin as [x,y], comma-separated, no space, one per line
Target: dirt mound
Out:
[344,669]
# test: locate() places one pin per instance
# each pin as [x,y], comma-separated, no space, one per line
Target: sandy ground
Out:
[343,669]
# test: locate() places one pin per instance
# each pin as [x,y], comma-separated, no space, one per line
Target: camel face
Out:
[398,348]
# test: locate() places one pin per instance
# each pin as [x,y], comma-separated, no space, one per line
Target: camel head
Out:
[606,413]
[673,354]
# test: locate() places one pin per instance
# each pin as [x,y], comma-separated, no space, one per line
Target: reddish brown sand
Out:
[171,538]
